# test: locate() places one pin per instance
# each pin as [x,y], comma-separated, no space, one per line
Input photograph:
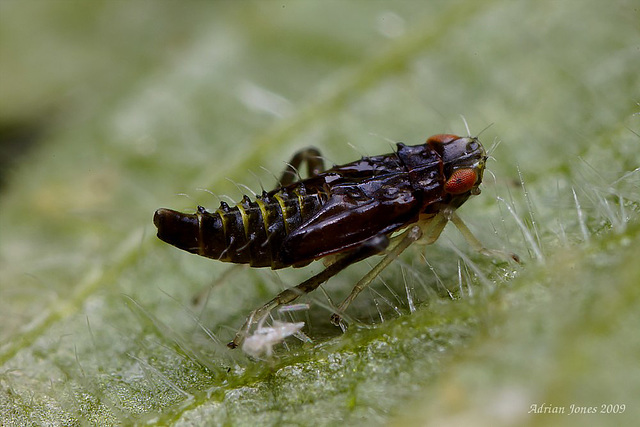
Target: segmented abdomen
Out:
[251,232]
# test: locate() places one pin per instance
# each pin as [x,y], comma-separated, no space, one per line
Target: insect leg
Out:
[315,165]
[409,236]
[426,231]
[371,247]
[475,244]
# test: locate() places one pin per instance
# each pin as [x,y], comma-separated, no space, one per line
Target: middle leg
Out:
[428,230]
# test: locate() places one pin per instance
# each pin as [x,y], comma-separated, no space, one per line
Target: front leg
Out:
[475,244]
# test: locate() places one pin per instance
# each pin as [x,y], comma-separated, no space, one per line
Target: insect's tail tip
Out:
[159,216]
[176,228]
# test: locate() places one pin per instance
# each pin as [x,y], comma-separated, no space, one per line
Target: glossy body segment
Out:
[333,211]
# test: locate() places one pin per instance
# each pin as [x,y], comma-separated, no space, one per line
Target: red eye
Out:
[461,181]
[443,138]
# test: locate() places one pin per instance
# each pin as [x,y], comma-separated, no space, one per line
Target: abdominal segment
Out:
[252,232]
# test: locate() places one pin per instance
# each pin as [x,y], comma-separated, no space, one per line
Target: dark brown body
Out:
[334,211]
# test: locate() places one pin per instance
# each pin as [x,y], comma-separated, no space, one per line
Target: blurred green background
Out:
[111,109]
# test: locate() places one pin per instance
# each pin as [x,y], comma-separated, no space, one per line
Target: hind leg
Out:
[370,247]
[311,156]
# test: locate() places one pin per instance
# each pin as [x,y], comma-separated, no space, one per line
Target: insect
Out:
[377,205]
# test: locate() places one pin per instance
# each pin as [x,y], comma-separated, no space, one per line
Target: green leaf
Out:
[110,110]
